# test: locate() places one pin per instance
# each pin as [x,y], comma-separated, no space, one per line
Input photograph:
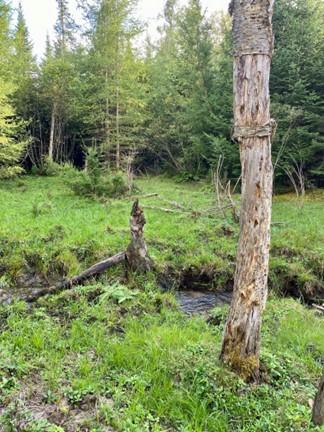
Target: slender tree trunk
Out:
[117,70]
[117,130]
[107,127]
[51,143]
[318,409]
[253,46]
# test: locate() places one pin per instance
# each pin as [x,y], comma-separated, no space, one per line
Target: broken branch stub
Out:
[136,254]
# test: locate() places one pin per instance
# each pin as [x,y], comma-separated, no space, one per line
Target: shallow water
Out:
[195,302]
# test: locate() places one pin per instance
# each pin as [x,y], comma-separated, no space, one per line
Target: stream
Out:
[197,302]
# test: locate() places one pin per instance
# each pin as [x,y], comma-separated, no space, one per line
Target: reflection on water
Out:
[195,302]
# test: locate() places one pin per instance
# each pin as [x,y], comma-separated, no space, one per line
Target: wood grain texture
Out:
[241,342]
[318,409]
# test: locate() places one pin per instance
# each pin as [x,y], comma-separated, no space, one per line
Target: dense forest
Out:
[165,104]
[161,219]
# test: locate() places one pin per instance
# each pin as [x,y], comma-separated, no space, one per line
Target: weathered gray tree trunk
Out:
[253,129]
[318,409]
[136,254]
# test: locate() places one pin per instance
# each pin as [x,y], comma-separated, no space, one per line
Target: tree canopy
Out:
[167,101]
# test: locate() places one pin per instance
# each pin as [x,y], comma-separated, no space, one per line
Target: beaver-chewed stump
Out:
[136,255]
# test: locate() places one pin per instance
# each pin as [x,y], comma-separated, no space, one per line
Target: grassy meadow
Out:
[117,354]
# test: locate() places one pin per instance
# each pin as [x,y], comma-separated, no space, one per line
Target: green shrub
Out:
[49,168]
[95,182]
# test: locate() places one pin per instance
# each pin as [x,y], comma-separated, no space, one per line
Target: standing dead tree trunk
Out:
[253,129]
[318,409]
[137,256]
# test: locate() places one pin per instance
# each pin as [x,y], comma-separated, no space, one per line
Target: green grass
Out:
[118,353]
[158,369]
[43,225]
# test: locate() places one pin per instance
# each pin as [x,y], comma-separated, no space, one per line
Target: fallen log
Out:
[149,195]
[163,209]
[136,258]
[318,307]
[94,270]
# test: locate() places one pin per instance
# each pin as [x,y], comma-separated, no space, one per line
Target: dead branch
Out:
[318,307]
[166,210]
[223,193]
[235,212]
[296,176]
[176,205]
[150,195]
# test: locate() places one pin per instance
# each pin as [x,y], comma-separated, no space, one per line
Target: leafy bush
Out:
[49,168]
[94,182]
[118,293]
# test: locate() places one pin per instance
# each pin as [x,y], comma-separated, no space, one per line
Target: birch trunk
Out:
[318,409]
[253,128]
[51,142]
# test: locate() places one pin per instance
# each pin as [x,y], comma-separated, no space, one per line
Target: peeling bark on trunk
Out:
[253,128]
[137,256]
[318,409]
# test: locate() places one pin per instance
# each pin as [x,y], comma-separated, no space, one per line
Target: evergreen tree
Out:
[64,28]
[5,40]
[196,76]
[182,102]
[297,85]
[164,132]
[11,131]
[57,84]
[112,61]
[24,70]
[11,128]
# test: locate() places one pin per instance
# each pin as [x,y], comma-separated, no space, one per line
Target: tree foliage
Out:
[167,101]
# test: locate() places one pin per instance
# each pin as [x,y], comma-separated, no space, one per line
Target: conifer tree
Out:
[24,69]
[11,128]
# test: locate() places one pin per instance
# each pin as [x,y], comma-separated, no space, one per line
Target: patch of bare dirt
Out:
[30,404]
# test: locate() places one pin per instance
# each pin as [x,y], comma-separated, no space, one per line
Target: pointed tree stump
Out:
[136,254]
[318,409]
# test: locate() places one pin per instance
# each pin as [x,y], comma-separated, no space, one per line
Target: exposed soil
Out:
[32,403]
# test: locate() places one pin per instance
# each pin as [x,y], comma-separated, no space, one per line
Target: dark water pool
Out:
[195,302]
